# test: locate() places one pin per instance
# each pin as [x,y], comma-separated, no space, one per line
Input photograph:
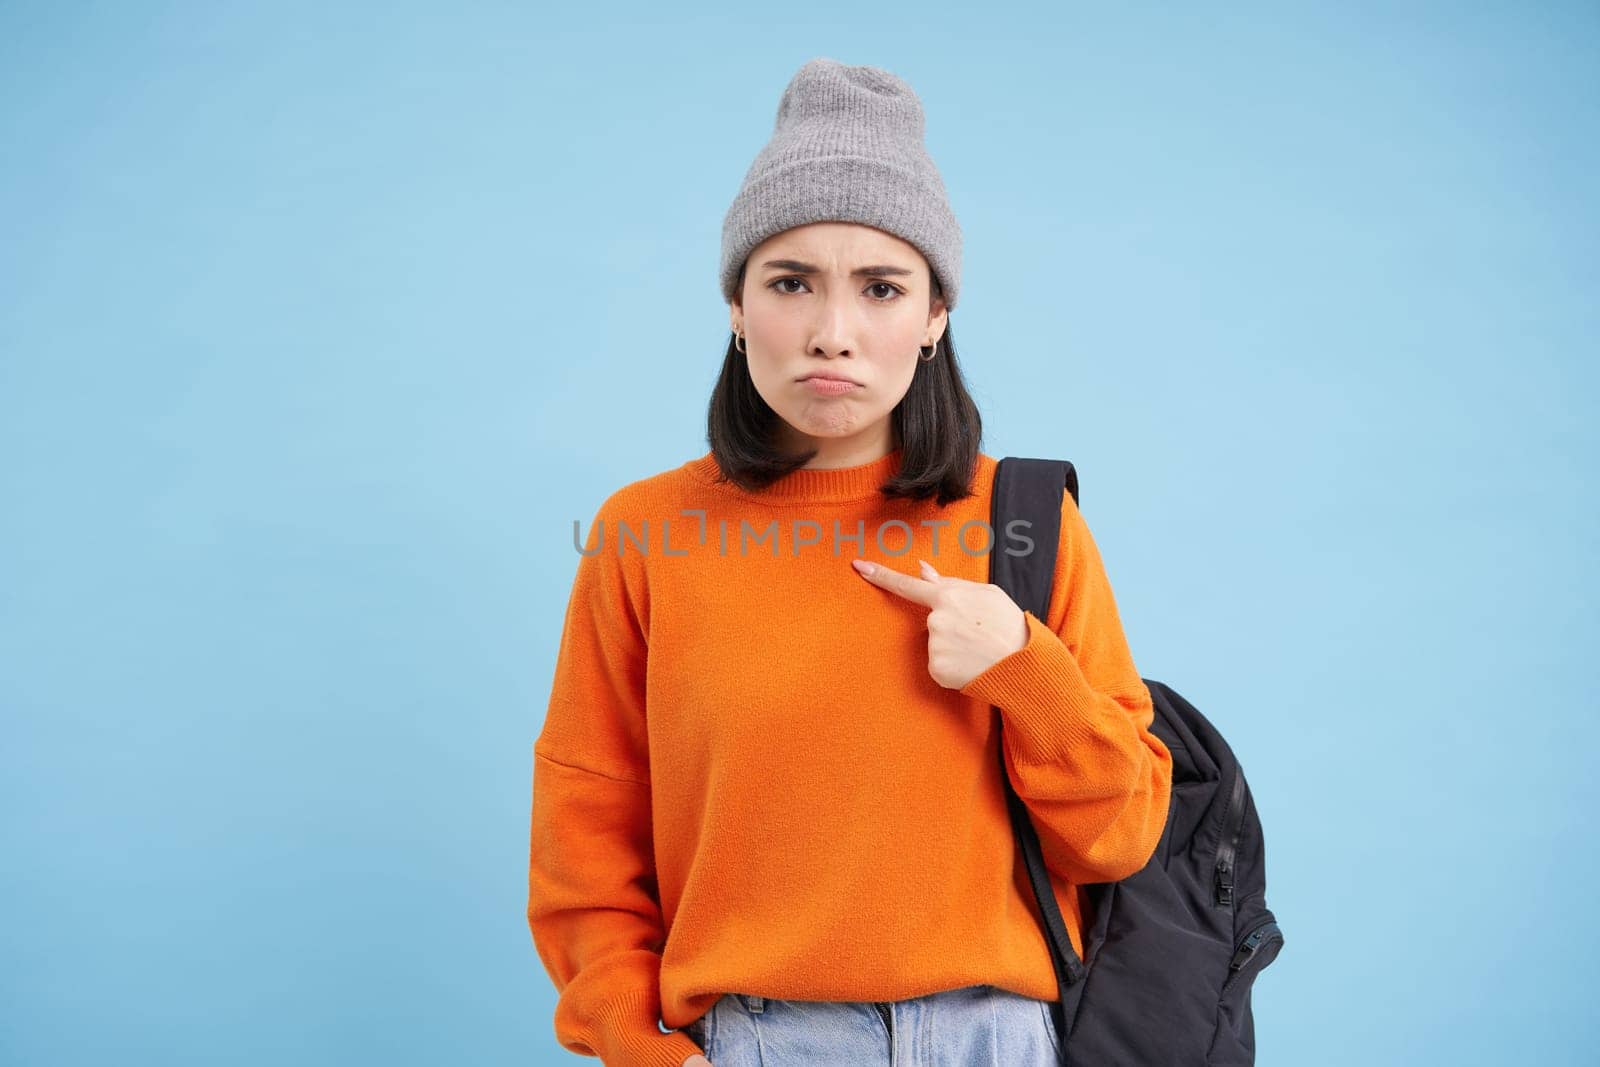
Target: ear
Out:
[938,318]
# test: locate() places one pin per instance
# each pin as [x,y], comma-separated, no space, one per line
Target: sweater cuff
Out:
[1042,694]
[631,1036]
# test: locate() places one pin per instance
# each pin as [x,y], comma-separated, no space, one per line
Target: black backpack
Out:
[1172,951]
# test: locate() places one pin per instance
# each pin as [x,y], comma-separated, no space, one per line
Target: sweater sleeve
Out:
[593,906]
[1076,724]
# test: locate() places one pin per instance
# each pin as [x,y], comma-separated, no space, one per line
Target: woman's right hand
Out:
[697,1060]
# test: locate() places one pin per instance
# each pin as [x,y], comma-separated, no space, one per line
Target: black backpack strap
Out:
[1031,489]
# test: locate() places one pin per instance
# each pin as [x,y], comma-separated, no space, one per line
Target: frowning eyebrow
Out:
[796,267]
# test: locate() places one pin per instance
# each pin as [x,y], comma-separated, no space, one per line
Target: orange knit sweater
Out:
[747,780]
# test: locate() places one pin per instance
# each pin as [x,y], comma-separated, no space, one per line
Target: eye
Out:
[891,291]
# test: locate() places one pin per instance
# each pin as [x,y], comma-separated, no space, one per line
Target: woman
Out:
[768,808]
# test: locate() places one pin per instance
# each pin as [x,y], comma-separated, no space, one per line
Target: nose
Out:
[834,331]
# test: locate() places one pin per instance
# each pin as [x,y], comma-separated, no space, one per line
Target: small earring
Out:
[933,350]
[736,339]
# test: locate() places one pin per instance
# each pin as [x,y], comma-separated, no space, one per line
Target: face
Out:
[833,314]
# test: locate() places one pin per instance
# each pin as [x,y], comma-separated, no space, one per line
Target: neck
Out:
[836,452]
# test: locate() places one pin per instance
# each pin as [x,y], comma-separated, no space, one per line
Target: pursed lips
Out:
[827,385]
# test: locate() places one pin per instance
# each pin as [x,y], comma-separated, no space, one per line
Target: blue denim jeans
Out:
[974,1026]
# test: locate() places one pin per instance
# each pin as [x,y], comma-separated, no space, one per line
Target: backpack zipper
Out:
[1233,818]
[1250,948]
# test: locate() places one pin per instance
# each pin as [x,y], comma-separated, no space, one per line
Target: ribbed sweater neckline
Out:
[834,485]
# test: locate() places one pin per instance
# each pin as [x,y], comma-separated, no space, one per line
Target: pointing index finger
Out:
[917,590]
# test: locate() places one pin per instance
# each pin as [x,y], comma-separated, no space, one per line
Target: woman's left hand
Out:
[971,627]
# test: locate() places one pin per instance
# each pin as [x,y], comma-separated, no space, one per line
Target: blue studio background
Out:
[320,325]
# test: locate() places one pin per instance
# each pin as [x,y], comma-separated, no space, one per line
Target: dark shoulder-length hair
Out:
[936,422]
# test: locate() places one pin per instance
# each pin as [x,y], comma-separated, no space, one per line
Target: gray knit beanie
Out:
[847,146]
